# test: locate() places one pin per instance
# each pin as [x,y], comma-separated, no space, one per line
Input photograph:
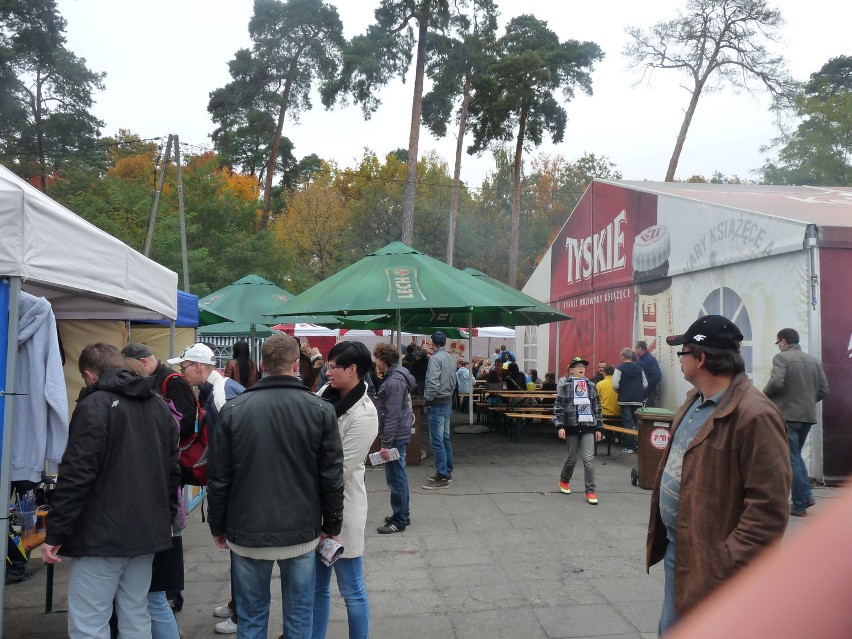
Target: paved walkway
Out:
[500,554]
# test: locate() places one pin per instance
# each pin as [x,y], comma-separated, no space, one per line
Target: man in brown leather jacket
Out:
[720,496]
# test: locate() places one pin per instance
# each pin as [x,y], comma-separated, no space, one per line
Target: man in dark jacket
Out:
[720,495]
[629,382]
[796,384]
[396,419]
[275,487]
[104,514]
[651,368]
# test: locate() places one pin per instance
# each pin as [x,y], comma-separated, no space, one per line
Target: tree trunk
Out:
[681,136]
[454,196]
[414,134]
[39,126]
[516,200]
[273,155]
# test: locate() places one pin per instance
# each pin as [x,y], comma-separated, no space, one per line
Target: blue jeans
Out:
[163,622]
[668,616]
[439,435]
[797,433]
[350,582]
[251,579]
[94,583]
[628,420]
[397,481]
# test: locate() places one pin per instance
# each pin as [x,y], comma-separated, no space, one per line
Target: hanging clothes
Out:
[40,412]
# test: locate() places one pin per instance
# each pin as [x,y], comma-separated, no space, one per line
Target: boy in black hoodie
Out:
[629,382]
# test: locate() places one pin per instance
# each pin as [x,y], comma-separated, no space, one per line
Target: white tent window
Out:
[530,347]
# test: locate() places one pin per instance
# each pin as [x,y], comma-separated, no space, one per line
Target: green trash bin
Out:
[654,432]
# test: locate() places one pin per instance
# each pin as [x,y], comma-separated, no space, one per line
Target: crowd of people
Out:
[308,423]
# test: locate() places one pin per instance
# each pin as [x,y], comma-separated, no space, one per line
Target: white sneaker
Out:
[226,627]
[222,611]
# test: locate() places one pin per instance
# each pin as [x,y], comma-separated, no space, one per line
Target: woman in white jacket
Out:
[357,419]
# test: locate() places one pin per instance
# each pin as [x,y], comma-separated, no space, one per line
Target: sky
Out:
[163,57]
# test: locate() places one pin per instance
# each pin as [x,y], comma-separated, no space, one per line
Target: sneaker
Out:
[435,477]
[799,513]
[628,451]
[222,611]
[565,487]
[226,627]
[440,482]
[811,502]
[592,498]
[389,529]
[389,519]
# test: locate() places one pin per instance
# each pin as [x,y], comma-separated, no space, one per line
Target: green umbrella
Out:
[397,281]
[248,300]
[234,329]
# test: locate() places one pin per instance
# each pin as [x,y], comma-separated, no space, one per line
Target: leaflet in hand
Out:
[376,458]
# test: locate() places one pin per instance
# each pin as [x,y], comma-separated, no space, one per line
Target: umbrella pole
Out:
[470,364]
[399,333]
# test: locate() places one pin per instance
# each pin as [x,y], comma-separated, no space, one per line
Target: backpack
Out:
[193,449]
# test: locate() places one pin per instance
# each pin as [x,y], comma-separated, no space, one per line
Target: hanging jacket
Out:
[40,410]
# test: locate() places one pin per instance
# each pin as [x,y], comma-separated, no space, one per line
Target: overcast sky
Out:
[163,57]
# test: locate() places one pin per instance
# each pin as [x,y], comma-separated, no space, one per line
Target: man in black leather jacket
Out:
[275,488]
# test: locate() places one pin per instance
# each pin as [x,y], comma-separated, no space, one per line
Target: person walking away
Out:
[577,417]
[630,383]
[796,384]
[277,433]
[463,385]
[242,368]
[720,495]
[396,420]
[438,399]
[610,410]
[120,429]
[652,371]
[358,423]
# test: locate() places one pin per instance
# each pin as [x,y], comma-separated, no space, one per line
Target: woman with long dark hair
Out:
[242,368]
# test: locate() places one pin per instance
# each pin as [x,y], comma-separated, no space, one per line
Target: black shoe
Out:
[435,477]
[799,513]
[388,529]
[389,519]
[437,482]
[811,503]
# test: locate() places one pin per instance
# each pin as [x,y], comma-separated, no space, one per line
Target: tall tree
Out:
[715,42]
[453,62]
[819,150]
[372,59]
[45,90]
[294,44]
[516,96]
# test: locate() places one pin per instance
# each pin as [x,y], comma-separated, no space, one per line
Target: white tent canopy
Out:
[60,256]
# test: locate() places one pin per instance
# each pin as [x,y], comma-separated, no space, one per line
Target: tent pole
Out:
[6,409]
[470,369]
[171,338]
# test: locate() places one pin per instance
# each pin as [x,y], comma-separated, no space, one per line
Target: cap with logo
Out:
[577,361]
[439,338]
[135,350]
[714,331]
[200,353]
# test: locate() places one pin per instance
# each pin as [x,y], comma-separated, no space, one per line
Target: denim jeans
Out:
[439,435]
[93,584]
[584,445]
[797,433]
[350,582]
[628,420]
[163,622]
[668,616]
[397,481]
[251,578]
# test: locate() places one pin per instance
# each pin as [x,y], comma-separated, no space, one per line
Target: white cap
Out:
[199,353]
[651,248]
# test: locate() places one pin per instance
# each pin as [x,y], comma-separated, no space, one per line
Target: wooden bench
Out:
[611,427]
[516,421]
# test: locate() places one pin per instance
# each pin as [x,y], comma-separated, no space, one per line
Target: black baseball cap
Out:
[135,350]
[715,331]
[577,361]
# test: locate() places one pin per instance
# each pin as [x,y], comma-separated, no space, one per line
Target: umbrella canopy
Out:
[235,329]
[398,281]
[248,300]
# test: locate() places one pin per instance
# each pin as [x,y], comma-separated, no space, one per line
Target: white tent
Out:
[85,273]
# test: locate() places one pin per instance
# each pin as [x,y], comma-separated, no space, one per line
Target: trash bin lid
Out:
[655,412]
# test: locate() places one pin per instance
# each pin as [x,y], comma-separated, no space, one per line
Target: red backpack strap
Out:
[166,382]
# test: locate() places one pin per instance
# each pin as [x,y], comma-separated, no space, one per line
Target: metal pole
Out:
[171,338]
[470,370]
[153,217]
[14,296]
[182,216]
[558,324]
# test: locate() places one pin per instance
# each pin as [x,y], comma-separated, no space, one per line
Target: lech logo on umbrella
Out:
[402,283]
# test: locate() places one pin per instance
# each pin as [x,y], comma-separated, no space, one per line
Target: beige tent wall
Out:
[157,339]
[75,336]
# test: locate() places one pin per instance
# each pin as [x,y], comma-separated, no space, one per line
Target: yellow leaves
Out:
[244,187]
[132,167]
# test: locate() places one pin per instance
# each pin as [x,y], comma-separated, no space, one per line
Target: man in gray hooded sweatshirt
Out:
[438,397]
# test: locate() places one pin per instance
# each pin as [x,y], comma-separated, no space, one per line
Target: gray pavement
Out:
[500,554]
